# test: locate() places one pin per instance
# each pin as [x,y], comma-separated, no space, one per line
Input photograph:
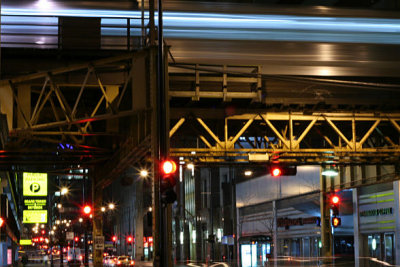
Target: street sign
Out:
[98,242]
[69,235]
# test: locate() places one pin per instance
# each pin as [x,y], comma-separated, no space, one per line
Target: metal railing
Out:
[44,32]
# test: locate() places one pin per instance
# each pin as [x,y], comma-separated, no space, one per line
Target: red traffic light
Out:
[335,199]
[87,209]
[114,238]
[129,239]
[276,171]
[76,239]
[336,222]
[168,167]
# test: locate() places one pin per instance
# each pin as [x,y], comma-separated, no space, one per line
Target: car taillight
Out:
[132,263]
[80,257]
[68,258]
[118,262]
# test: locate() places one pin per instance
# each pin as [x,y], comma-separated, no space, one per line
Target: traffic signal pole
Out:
[162,111]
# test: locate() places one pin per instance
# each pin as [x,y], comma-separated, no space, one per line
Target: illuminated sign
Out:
[35,204]
[35,184]
[34,216]
[25,242]
[377,212]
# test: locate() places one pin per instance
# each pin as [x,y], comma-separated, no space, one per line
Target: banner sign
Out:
[35,204]
[35,184]
[34,216]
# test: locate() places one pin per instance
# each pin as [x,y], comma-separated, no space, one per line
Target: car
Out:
[124,261]
[108,261]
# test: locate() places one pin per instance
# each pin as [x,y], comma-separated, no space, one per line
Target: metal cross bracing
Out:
[292,137]
[74,113]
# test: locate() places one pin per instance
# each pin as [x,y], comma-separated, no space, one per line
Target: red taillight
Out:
[119,262]
[80,257]
[68,258]
[132,263]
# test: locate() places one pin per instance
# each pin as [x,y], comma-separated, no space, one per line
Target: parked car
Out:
[124,261]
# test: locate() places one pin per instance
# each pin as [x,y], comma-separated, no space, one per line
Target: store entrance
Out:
[381,246]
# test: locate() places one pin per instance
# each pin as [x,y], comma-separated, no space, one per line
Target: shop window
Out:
[374,246]
[389,248]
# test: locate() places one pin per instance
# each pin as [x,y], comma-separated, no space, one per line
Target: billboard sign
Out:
[34,216]
[35,184]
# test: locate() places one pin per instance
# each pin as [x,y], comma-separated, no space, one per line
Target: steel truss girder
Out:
[291,137]
[56,118]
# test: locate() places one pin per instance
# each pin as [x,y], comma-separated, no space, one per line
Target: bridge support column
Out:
[358,244]
[396,212]
[97,222]
[326,231]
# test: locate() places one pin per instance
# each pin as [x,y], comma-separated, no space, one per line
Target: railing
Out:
[44,32]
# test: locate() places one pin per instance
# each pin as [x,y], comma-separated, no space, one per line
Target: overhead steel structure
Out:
[239,115]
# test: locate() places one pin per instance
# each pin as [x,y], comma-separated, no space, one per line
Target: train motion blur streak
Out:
[189,25]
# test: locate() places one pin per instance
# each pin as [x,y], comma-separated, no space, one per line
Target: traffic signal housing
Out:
[277,170]
[335,202]
[336,221]
[168,171]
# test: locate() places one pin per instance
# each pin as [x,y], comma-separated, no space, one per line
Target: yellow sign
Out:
[34,216]
[35,184]
[35,204]
[25,242]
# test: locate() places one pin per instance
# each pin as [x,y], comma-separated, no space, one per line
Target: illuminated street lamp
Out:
[111,206]
[64,190]
[103,209]
[144,173]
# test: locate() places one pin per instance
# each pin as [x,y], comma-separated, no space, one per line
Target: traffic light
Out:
[114,238]
[168,181]
[87,210]
[279,170]
[129,239]
[335,201]
[76,239]
[336,221]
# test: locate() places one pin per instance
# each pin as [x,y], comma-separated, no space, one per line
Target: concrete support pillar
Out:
[275,231]
[97,222]
[275,228]
[326,231]
[396,211]
[7,104]
[358,242]
[140,213]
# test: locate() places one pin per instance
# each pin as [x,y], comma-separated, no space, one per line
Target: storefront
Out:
[377,222]
[255,250]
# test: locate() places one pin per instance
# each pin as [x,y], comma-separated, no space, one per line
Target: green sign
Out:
[35,204]
[35,184]
[25,242]
[34,216]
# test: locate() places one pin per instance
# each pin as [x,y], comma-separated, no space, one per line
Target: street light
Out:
[103,209]
[144,173]
[64,190]
[111,206]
